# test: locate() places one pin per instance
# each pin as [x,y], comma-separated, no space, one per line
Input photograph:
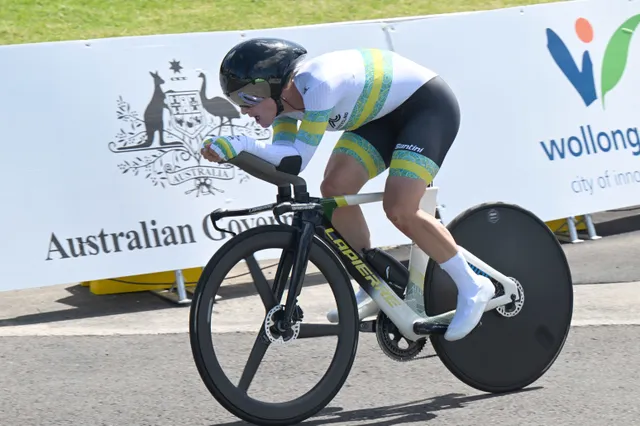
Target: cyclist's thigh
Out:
[426,137]
[365,151]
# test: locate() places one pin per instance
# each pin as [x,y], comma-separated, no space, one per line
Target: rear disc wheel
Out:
[515,345]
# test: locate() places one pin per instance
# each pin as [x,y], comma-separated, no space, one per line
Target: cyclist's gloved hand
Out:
[225,147]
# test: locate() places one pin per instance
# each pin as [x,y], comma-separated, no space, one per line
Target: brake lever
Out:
[215,216]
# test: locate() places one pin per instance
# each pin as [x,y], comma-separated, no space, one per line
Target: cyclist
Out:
[394,114]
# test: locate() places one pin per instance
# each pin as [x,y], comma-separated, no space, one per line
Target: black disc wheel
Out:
[235,397]
[517,344]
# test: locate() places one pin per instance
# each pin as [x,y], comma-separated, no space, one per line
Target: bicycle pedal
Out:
[368,326]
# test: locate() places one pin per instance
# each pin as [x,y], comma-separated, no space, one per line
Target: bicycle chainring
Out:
[389,339]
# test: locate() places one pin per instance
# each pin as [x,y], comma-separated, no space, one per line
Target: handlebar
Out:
[284,174]
[278,210]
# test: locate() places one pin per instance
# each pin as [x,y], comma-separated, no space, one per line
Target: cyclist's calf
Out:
[401,204]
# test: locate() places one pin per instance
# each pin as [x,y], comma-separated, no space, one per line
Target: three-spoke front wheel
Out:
[235,397]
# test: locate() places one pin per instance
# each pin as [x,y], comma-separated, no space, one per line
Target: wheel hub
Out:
[277,331]
[512,309]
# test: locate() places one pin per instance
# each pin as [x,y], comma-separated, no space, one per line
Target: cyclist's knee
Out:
[402,215]
[401,201]
[333,185]
[346,179]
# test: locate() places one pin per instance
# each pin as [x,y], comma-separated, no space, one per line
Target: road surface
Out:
[72,358]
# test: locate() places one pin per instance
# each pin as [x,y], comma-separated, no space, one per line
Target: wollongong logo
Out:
[614,62]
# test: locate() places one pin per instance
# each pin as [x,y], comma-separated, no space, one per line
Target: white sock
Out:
[464,277]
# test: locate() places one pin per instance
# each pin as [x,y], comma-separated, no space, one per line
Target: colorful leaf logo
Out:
[616,54]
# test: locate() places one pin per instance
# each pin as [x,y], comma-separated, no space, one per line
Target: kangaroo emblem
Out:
[153,118]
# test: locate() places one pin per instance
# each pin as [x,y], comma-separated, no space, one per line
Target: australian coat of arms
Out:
[163,143]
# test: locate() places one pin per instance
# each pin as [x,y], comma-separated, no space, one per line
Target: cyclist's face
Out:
[264,113]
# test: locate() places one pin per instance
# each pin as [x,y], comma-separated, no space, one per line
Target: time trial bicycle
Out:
[521,333]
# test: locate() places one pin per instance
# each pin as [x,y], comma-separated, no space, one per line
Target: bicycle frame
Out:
[412,323]
[313,213]
[397,309]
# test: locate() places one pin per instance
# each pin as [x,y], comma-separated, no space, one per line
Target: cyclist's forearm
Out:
[271,152]
[228,147]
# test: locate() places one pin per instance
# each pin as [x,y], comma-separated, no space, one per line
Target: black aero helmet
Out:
[257,69]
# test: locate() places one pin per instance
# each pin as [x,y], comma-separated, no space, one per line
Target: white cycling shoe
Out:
[469,310]
[366,307]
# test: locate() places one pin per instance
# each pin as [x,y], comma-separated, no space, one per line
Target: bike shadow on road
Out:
[417,411]
[82,303]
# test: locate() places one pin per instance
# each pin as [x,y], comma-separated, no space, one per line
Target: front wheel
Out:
[234,397]
[513,347]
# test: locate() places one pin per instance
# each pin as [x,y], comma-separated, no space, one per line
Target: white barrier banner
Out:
[549,113]
[103,176]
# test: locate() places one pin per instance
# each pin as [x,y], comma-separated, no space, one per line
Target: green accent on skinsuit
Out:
[313,126]
[359,148]
[284,129]
[226,147]
[412,165]
[378,78]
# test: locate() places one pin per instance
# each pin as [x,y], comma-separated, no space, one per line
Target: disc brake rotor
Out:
[277,336]
[514,308]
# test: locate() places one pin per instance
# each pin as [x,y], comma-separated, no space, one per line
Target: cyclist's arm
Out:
[284,135]
[319,103]
[305,140]
[284,130]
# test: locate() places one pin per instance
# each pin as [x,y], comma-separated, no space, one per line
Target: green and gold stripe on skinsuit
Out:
[313,126]
[284,129]
[378,70]
[412,165]
[360,149]
[226,147]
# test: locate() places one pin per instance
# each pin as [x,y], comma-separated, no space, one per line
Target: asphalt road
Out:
[72,358]
[151,381]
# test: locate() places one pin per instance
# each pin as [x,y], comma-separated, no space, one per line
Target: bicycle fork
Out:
[305,222]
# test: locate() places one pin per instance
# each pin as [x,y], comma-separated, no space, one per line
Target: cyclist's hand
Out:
[224,148]
[210,154]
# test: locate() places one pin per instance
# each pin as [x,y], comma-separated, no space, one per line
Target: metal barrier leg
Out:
[573,232]
[179,287]
[182,291]
[591,229]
